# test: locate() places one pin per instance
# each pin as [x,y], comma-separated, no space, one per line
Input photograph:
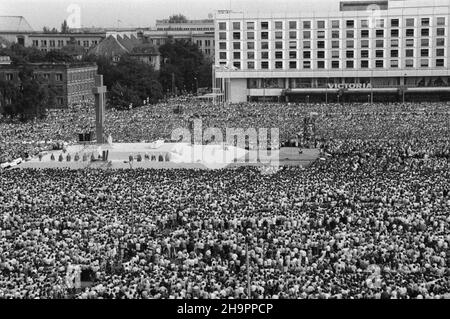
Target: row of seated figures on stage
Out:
[85,157]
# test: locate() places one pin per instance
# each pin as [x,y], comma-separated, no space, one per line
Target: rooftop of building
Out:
[14,24]
[119,45]
[52,65]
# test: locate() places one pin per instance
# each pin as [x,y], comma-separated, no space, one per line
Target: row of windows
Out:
[335,24]
[207,43]
[440,42]
[395,33]
[350,64]
[85,75]
[264,55]
[48,76]
[60,43]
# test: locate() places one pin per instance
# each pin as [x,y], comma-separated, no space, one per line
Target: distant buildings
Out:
[73,83]
[200,32]
[114,47]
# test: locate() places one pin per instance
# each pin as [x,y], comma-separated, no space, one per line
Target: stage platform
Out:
[170,156]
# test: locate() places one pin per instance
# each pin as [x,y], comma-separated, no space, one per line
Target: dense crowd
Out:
[370,221]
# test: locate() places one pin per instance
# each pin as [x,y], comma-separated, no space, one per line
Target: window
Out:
[335,34]
[237,55]
[394,63]
[364,23]
[424,53]
[279,45]
[364,64]
[250,25]
[364,33]
[409,42]
[349,64]
[350,23]
[335,44]
[425,32]
[409,32]
[264,25]
[379,43]
[264,35]
[306,34]
[379,63]
[320,24]
[425,42]
[409,53]
[350,54]
[440,52]
[292,34]
[279,35]
[35,43]
[292,44]
[350,44]
[236,45]
[380,23]
[264,55]
[440,42]
[379,33]
[306,24]
[379,53]
[236,25]
[59,77]
[409,63]
[425,22]
[335,54]
[440,62]
[440,21]
[395,23]
[306,44]
[222,25]
[394,53]
[335,64]
[222,36]
[250,35]
[394,43]
[292,65]
[335,24]
[222,55]
[9,76]
[278,65]
[321,54]
[321,64]
[409,22]
[60,101]
[52,43]
[306,54]
[424,63]
[237,65]
[321,44]
[250,45]
[278,25]
[394,33]
[264,45]
[307,64]
[365,54]
[250,55]
[320,34]
[292,24]
[364,43]
[440,32]
[43,43]
[350,34]
[292,54]
[278,54]
[250,65]
[264,65]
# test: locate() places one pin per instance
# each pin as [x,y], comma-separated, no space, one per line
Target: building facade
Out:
[361,50]
[72,83]
[200,32]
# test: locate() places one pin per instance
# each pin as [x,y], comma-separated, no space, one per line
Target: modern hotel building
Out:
[358,51]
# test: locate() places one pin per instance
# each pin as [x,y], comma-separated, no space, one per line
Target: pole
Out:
[371,89]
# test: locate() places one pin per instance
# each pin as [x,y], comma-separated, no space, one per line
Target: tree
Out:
[65,27]
[58,56]
[177,18]
[48,30]
[184,61]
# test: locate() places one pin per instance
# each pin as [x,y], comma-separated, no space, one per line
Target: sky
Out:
[143,13]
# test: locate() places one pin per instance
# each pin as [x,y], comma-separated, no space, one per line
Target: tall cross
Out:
[99,92]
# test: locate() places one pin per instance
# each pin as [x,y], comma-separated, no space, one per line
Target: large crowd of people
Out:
[368,221]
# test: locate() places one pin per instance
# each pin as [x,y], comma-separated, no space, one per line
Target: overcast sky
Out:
[133,13]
